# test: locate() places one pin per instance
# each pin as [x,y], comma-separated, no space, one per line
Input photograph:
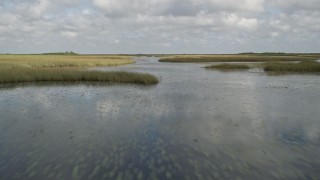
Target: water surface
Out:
[195,124]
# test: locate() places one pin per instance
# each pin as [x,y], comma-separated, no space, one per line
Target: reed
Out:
[35,75]
[302,67]
[226,66]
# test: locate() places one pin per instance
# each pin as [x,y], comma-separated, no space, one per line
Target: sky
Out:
[159,26]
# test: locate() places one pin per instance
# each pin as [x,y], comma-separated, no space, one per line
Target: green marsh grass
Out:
[226,66]
[35,75]
[232,58]
[302,67]
[34,68]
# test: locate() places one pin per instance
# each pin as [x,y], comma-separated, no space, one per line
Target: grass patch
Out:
[34,68]
[58,61]
[302,67]
[229,66]
[36,75]
[233,58]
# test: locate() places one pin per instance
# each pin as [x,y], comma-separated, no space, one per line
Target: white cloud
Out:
[248,23]
[87,11]
[280,25]
[274,34]
[69,34]
[234,21]
[7,18]
[39,7]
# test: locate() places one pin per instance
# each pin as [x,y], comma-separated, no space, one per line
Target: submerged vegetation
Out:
[235,58]
[30,68]
[226,66]
[302,67]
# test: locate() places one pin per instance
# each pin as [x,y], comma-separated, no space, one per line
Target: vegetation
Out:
[264,53]
[30,68]
[282,63]
[34,75]
[282,54]
[302,67]
[229,66]
[60,61]
[235,58]
[274,67]
[62,53]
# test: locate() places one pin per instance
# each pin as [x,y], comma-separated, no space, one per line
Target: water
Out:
[195,124]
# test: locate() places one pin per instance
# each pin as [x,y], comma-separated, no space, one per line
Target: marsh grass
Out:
[226,66]
[35,75]
[232,58]
[34,68]
[302,67]
[58,61]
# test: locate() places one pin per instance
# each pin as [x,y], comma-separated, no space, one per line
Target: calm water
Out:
[195,124]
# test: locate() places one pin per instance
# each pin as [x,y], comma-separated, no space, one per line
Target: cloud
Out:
[296,5]
[69,34]
[39,8]
[116,8]
[159,26]
[246,23]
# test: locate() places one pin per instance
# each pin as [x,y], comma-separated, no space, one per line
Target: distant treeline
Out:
[264,53]
[61,53]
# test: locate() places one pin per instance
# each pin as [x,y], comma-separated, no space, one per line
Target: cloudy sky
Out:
[159,26]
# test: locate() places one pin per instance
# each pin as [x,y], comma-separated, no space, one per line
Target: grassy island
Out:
[226,66]
[302,67]
[33,68]
[236,58]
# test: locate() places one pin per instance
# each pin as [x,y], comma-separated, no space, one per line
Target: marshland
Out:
[229,66]
[269,62]
[195,123]
[239,58]
[301,67]
[67,67]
